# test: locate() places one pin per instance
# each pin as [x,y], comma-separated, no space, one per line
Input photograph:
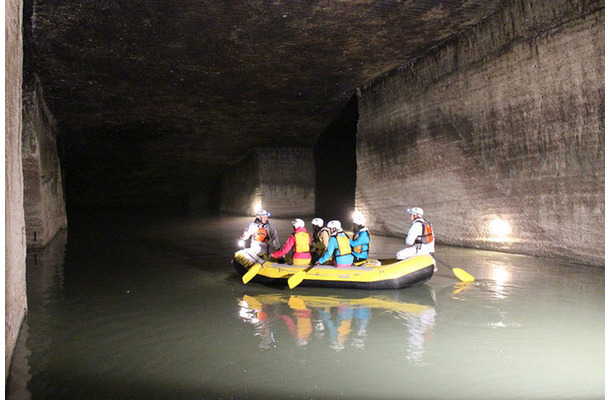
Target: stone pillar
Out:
[45,209]
[503,123]
[14,229]
[280,180]
[335,160]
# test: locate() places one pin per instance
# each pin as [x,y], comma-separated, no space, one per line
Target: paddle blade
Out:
[295,279]
[463,275]
[251,273]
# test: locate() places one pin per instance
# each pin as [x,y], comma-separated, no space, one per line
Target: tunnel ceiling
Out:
[154,97]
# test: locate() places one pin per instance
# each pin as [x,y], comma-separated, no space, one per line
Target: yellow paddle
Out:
[297,278]
[253,269]
[460,273]
[251,273]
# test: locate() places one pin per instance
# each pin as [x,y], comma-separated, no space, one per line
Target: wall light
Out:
[257,206]
[499,228]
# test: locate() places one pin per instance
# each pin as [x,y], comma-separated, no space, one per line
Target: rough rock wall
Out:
[287,181]
[280,180]
[504,121]
[45,210]
[14,221]
[240,187]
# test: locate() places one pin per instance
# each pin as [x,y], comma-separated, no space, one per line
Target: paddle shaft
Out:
[256,257]
[441,261]
[458,272]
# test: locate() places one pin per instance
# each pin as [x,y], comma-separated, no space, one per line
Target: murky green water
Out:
[130,308]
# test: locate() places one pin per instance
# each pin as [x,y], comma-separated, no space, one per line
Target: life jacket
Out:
[318,236]
[261,235]
[363,247]
[426,236]
[301,242]
[343,244]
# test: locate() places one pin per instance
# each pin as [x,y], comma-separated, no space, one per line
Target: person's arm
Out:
[414,232]
[362,239]
[330,249]
[284,250]
[250,229]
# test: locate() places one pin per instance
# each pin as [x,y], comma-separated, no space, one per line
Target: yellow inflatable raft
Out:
[375,274]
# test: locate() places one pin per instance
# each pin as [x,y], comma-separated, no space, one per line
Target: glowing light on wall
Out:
[257,206]
[499,228]
[358,215]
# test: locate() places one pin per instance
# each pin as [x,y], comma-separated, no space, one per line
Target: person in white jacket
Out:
[263,236]
[420,238]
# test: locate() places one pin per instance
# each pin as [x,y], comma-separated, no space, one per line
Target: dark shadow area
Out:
[214,198]
[335,159]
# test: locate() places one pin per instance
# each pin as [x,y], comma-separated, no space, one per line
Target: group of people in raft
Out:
[330,243]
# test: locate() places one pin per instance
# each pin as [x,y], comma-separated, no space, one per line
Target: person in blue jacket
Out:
[338,247]
[361,241]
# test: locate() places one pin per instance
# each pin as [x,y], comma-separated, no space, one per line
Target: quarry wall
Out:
[503,122]
[14,220]
[240,187]
[45,210]
[279,180]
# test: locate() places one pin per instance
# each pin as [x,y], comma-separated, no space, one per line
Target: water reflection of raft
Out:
[299,302]
[376,274]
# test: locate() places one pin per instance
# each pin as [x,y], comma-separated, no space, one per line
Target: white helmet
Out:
[358,218]
[298,223]
[317,222]
[263,213]
[334,224]
[416,211]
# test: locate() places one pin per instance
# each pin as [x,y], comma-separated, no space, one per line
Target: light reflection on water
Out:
[156,311]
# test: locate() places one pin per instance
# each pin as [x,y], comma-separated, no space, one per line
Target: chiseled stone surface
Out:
[14,221]
[155,98]
[45,210]
[287,181]
[505,121]
[280,180]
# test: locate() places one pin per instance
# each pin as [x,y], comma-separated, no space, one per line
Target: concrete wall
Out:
[45,210]
[281,179]
[14,222]
[504,121]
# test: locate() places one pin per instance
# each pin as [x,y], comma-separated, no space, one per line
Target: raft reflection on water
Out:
[343,322]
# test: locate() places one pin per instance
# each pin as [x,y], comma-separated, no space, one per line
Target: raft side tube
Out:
[396,275]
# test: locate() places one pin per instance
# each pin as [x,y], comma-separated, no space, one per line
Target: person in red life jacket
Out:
[264,237]
[321,236]
[420,238]
[338,247]
[300,244]
[303,328]
[361,241]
